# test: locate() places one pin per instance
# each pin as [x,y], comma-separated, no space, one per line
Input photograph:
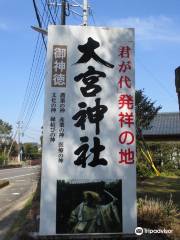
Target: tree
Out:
[5,138]
[14,150]
[145,113]
[5,128]
[31,151]
[145,110]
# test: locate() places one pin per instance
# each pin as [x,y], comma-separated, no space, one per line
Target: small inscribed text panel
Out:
[59,66]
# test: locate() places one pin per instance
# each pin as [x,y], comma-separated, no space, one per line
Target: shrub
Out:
[142,170]
[35,156]
[177,172]
[3,159]
[153,213]
[172,173]
[166,155]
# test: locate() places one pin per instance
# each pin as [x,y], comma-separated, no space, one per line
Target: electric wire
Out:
[37,87]
[156,80]
[27,135]
[49,9]
[76,18]
[27,96]
[37,98]
[45,14]
[34,84]
[56,13]
[32,97]
[36,94]
[39,20]
[92,15]
[78,4]
[29,81]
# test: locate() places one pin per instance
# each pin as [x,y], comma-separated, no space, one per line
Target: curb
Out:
[4,183]
[10,167]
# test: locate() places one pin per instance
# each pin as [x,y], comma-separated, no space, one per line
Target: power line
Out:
[92,15]
[51,14]
[29,81]
[45,15]
[34,103]
[29,89]
[157,81]
[39,20]
[33,109]
[35,85]
[26,135]
[34,130]
[35,82]
[56,13]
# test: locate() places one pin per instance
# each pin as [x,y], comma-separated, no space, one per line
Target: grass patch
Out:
[157,196]
[160,187]
[20,221]
[27,220]
[155,214]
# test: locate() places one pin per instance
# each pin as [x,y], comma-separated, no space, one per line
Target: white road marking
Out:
[19,176]
[16,193]
[2,171]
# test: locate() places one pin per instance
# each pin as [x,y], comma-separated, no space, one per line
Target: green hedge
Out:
[166,157]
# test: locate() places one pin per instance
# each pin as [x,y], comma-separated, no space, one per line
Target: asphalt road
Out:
[15,173]
[12,197]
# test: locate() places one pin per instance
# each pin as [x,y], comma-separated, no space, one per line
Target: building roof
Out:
[164,124]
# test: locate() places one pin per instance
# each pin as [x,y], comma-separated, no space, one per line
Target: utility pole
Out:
[85,12]
[19,127]
[177,84]
[63,12]
[64,6]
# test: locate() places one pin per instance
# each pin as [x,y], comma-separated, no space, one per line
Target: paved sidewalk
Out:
[13,199]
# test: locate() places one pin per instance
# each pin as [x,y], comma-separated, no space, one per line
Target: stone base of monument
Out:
[89,236]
